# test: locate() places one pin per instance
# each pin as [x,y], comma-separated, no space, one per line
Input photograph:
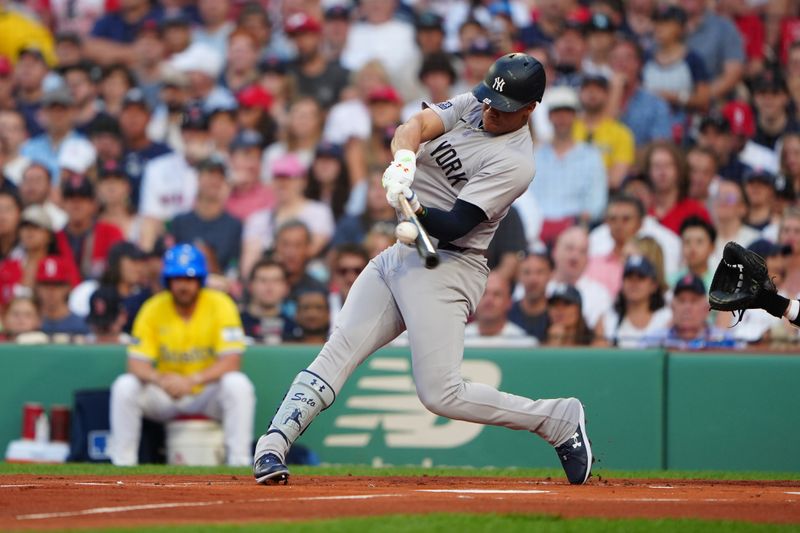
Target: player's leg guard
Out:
[308,395]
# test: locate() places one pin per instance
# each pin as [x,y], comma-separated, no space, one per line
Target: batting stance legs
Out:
[395,292]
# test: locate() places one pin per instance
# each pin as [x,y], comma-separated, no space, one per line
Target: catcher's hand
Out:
[742,282]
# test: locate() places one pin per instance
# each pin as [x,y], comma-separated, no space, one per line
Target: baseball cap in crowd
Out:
[760,175]
[288,166]
[111,168]
[563,292]
[670,13]
[437,62]
[102,124]
[68,36]
[125,249]
[574,24]
[481,47]
[247,139]
[718,122]
[172,77]
[174,20]
[37,215]
[31,50]
[53,269]
[255,96]
[740,116]
[213,163]
[274,65]
[58,96]
[77,186]
[429,20]
[301,22]
[135,97]
[600,22]
[384,93]
[595,79]
[769,84]
[199,57]
[6,68]
[337,12]
[194,117]
[76,155]
[327,149]
[637,264]
[765,248]
[562,97]
[689,282]
[105,306]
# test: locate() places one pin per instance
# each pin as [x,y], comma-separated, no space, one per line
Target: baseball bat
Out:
[425,247]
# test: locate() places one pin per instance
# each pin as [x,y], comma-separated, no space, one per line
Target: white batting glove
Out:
[393,197]
[401,170]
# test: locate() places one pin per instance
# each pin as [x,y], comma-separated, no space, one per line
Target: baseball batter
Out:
[468,159]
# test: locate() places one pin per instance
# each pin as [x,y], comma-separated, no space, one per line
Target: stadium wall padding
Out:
[645,409]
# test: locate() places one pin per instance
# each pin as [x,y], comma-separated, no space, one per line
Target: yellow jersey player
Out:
[184,359]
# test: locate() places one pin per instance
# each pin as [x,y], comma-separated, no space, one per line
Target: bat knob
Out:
[431,261]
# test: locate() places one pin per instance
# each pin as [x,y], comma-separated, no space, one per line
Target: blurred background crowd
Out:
[259,131]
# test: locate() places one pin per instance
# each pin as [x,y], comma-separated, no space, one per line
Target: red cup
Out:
[59,423]
[31,412]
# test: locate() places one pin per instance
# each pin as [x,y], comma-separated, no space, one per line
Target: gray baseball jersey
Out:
[489,171]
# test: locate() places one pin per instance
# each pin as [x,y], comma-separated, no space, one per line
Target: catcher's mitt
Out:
[741,282]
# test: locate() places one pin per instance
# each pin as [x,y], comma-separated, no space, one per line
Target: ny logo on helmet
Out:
[499,83]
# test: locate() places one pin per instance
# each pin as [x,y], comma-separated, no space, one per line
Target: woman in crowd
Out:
[329,183]
[302,134]
[241,67]
[114,197]
[125,274]
[117,81]
[639,309]
[665,166]
[255,104]
[289,182]
[567,325]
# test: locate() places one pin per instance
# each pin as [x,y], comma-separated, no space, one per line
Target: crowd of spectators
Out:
[259,131]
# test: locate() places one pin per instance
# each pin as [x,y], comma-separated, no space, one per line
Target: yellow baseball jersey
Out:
[611,137]
[182,346]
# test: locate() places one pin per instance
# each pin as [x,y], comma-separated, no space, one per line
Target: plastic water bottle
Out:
[42,428]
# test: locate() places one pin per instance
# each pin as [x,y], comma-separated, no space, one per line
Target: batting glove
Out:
[393,197]
[401,170]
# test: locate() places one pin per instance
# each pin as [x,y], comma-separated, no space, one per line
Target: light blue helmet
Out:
[184,261]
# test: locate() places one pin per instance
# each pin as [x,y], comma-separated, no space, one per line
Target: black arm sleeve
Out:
[448,226]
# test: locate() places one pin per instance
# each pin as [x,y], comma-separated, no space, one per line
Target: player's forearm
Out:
[228,363]
[448,226]
[143,370]
[408,136]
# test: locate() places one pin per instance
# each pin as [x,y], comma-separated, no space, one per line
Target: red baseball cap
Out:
[53,269]
[255,96]
[6,67]
[385,93]
[300,22]
[740,117]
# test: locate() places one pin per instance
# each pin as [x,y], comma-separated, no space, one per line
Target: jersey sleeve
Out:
[498,184]
[697,67]
[230,336]
[450,111]
[144,344]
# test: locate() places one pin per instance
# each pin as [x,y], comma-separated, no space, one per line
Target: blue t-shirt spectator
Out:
[114,27]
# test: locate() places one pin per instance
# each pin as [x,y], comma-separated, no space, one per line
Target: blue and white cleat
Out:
[576,454]
[269,470]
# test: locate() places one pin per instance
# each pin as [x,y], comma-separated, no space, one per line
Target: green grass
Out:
[489,523]
[74,469]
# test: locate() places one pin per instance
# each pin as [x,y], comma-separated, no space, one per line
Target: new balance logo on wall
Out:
[389,400]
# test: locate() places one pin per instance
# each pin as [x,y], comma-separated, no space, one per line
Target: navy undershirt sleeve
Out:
[448,226]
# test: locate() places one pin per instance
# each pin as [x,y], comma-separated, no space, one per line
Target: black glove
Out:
[741,282]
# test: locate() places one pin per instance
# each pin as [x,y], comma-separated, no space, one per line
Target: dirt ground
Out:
[41,502]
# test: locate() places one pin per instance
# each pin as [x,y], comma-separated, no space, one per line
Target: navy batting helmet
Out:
[512,82]
[184,261]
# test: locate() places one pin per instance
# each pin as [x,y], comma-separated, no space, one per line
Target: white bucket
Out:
[195,443]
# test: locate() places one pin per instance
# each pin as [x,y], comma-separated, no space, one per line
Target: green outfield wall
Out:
[645,409]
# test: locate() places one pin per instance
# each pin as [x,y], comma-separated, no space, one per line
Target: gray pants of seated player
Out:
[395,292]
